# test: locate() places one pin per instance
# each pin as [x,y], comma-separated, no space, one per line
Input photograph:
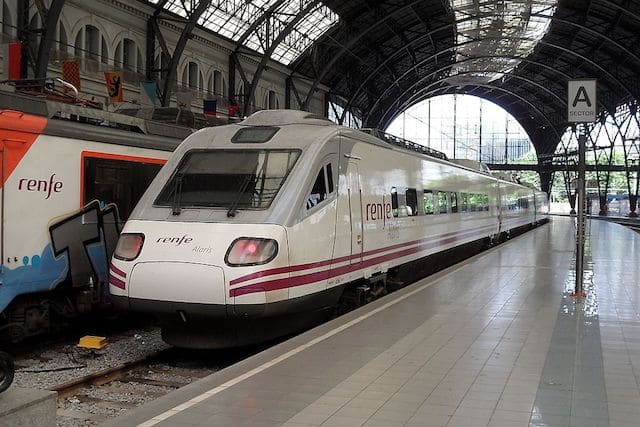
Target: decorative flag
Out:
[12,61]
[184,99]
[113,80]
[234,109]
[209,107]
[71,74]
[148,93]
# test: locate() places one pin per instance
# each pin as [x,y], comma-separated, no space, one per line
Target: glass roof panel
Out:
[234,18]
[493,37]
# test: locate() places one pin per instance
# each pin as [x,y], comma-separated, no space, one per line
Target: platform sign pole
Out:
[581,108]
[581,220]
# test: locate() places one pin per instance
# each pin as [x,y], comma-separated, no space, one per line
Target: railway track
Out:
[632,223]
[94,386]
[105,394]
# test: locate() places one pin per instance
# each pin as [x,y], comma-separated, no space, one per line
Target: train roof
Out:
[41,106]
[285,117]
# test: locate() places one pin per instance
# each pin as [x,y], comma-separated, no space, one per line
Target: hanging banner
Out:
[113,80]
[12,61]
[71,74]
[209,107]
[184,99]
[148,93]
[234,109]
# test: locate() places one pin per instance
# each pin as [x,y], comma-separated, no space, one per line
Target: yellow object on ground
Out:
[90,341]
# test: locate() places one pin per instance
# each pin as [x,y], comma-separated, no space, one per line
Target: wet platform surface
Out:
[496,340]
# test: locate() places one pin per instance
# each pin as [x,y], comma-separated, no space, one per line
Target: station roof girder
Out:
[385,56]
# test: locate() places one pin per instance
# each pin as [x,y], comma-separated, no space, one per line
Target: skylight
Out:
[234,18]
[493,37]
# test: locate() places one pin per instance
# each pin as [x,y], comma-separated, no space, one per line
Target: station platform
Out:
[494,341]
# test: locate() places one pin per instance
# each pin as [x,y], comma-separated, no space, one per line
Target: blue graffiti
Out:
[43,273]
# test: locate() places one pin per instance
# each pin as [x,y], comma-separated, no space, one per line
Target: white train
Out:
[253,230]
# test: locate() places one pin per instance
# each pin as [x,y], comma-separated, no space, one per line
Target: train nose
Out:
[178,282]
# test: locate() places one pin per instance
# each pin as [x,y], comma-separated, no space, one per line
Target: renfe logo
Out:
[41,185]
[177,240]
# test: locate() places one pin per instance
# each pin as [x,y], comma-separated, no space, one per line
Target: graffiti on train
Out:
[87,239]
[79,249]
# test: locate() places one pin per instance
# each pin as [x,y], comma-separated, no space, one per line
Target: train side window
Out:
[485,201]
[464,202]
[319,190]
[117,181]
[398,203]
[473,202]
[427,202]
[442,202]
[411,196]
[394,201]
[477,202]
[454,202]
[329,178]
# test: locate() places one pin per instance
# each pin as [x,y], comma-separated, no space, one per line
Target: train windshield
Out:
[231,179]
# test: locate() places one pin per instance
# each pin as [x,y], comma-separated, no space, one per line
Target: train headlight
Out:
[129,246]
[251,251]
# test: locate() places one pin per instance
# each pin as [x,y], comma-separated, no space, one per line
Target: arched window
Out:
[62,40]
[128,56]
[192,77]
[91,42]
[272,100]
[8,27]
[217,83]
[91,45]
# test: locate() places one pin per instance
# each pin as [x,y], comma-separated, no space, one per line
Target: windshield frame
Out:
[166,197]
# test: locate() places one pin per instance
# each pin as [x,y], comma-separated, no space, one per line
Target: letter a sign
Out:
[582,101]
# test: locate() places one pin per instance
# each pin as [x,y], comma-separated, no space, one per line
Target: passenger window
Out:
[454,202]
[117,181]
[398,204]
[473,202]
[318,192]
[442,202]
[427,202]
[464,200]
[330,178]
[394,201]
[412,201]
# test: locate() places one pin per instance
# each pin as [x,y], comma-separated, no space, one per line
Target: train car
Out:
[254,230]
[65,187]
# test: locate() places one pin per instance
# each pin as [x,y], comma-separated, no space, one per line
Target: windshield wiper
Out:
[234,206]
[177,195]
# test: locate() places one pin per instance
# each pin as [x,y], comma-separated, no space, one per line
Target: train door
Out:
[355,212]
